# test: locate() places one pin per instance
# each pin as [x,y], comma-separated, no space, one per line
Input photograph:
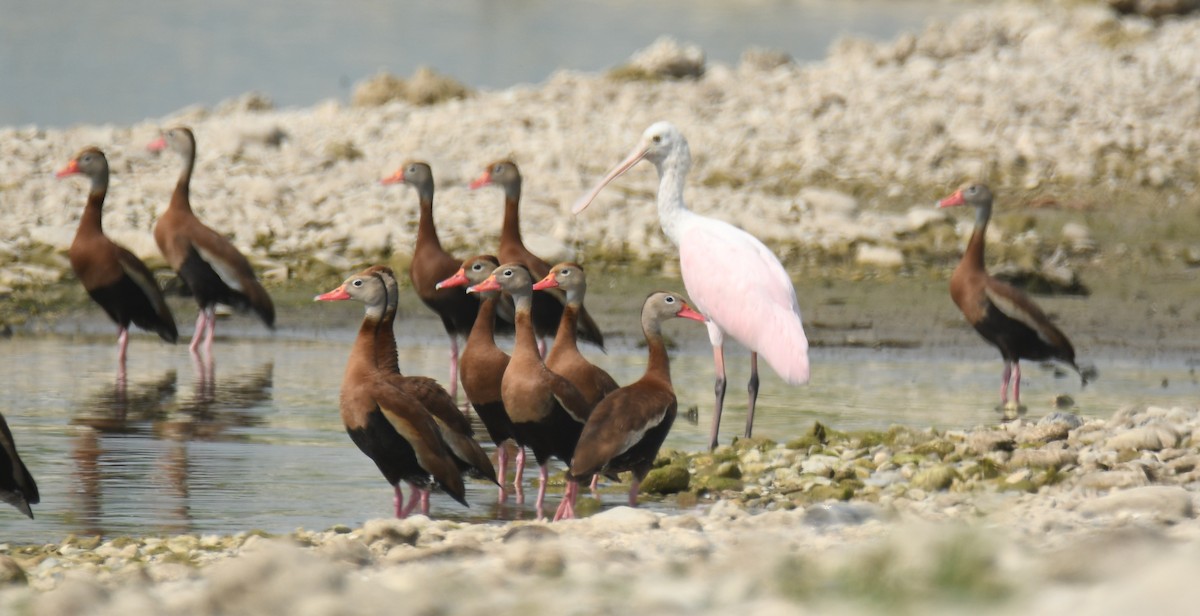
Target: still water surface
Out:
[261,444]
[126,60]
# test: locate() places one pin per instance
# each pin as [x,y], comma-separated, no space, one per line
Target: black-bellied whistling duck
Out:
[628,427]
[431,264]
[564,357]
[213,269]
[1003,315]
[547,306]
[114,277]
[483,363]
[17,486]
[454,427]
[547,411]
[393,428]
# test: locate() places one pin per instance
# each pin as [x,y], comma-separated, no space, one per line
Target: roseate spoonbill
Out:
[733,279]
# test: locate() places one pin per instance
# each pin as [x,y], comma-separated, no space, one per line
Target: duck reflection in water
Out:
[134,448]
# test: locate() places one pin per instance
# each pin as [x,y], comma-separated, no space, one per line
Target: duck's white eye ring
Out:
[670,299]
[358,283]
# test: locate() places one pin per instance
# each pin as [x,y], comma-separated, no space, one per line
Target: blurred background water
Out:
[64,62]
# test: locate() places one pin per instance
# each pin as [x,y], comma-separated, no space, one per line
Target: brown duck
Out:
[214,271]
[627,428]
[547,306]
[114,277]
[1002,314]
[391,427]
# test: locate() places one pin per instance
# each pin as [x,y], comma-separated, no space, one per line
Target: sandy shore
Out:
[835,165]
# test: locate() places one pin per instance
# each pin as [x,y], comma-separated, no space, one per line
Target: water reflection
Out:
[256,442]
[135,439]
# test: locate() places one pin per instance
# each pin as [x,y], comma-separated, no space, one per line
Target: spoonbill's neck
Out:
[672,210]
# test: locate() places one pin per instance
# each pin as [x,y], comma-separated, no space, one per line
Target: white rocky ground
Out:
[1023,94]
[1097,518]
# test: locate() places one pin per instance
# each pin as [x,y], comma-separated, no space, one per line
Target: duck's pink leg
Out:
[519,476]
[595,485]
[566,507]
[501,470]
[198,335]
[212,329]
[414,498]
[399,502]
[454,367]
[1004,380]
[634,486]
[1016,382]
[543,478]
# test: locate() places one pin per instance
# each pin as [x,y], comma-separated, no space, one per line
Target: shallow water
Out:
[127,60]
[261,445]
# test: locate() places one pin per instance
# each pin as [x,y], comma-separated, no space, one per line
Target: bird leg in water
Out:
[454,367]
[543,478]
[519,476]
[501,470]
[198,335]
[752,387]
[122,345]
[719,389]
[211,314]
[566,508]
[399,501]
[1004,380]
[634,487]
[1016,381]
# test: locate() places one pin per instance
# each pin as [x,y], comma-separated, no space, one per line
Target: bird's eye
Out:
[358,283]
[507,273]
[565,272]
[498,169]
[669,300]
[971,189]
[657,139]
[476,267]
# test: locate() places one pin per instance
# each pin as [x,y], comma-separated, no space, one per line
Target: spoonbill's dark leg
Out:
[752,387]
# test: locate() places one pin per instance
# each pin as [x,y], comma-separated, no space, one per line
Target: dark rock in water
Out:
[667,480]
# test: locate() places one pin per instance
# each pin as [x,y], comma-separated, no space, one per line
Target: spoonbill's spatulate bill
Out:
[731,277]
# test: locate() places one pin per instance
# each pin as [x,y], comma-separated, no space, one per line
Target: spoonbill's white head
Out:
[661,144]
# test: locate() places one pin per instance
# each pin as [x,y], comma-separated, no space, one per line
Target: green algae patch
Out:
[668,479]
[935,478]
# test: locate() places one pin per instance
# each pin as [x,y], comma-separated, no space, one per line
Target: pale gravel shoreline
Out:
[1029,95]
[1111,528]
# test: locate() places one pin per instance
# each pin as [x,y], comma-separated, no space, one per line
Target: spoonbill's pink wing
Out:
[739,284]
